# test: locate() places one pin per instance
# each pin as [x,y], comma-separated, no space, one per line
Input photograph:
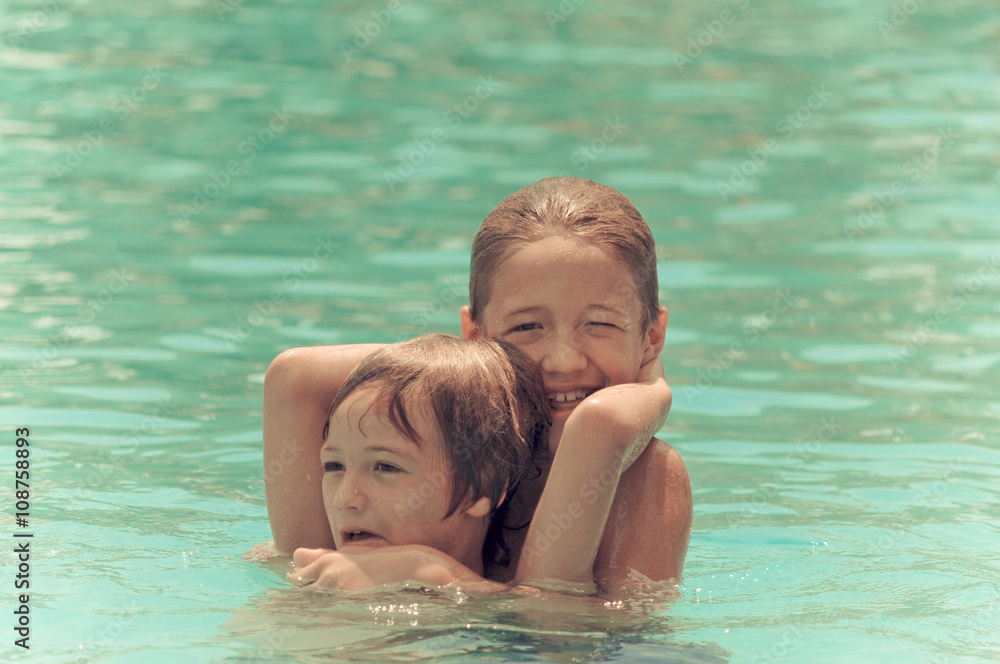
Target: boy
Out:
[424,441]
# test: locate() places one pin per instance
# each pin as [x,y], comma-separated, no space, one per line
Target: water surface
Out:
[189,188]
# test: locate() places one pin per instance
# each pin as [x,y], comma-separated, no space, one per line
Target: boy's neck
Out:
[522,508]
[469,551]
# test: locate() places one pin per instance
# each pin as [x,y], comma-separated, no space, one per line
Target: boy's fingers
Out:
[305,557]
[303,575]
[300,578]
[312,568]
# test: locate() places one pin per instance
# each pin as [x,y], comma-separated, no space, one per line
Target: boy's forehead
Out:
[370,404]
[525,284]
[561,252]
[355,407]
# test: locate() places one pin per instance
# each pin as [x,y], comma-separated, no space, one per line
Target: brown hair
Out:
[566,206]
[487,399]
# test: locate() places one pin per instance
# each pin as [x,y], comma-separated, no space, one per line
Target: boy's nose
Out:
[563,356]
[350,494]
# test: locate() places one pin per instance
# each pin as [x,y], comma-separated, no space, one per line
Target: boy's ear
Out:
[470,328]
[480,508]
[655,335]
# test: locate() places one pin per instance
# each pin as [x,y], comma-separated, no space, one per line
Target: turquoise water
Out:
[189,188]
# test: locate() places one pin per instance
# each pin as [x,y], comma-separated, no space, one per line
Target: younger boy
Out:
[423,442]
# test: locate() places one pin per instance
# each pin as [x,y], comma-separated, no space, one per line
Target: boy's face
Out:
[572,308]
[382,489]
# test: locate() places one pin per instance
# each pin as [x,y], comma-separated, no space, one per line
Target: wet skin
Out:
[382,489]
[572,308]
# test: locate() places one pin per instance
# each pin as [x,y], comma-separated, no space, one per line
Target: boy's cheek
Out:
[327,499]
[407,507]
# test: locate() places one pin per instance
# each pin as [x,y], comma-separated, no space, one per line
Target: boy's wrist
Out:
[615,425]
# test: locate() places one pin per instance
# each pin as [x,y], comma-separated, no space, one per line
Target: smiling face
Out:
[381,488]
[572,308]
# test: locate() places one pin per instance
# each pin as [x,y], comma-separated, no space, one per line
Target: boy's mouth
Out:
[568,400]
[360,537]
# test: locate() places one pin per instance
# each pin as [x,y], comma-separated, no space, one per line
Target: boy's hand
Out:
[360,568]
[328,569]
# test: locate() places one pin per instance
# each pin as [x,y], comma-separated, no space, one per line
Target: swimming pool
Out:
[190,188]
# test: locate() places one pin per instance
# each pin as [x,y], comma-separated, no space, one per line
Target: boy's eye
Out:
[384,467]
[332,466]
[598,323]
[524,327]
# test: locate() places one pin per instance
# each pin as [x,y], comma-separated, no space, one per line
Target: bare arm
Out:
[602,438]
[647,532]
[358,568]
[649,525]
[298,389]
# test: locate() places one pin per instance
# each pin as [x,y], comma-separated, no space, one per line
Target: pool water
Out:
[189,188]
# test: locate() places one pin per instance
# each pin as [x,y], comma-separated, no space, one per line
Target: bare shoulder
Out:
[649,526]
[660,465]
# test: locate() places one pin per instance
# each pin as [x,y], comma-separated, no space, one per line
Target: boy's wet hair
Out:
[487,401]
[566,206]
